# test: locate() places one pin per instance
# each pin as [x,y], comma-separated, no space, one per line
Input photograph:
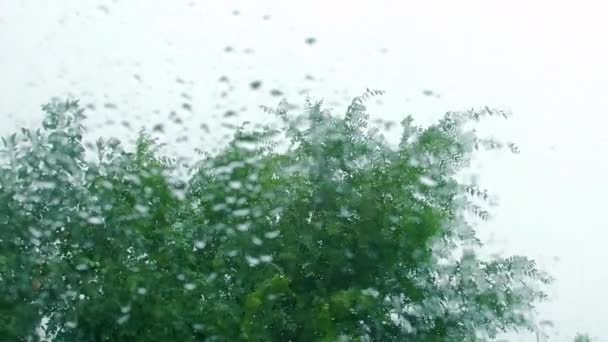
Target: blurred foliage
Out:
[582,338]
[319,230]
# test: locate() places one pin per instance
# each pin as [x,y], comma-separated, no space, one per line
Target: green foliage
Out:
[582,338]
[340,236]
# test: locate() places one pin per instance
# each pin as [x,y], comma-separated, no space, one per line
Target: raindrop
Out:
[103,9]
[141,209]
[266,258]
[122,319]
[35,232]
[44,185]
[371,292]
[235,185]
[107,185]
[190,286]
[109,105]
[276,92]
[344,212]
[252,261]
[241,212]
[255,85]
[95,220]
[200,244]
[82,267]
[273,234]
[218,207]
[428,181]
[211,277]
[311,40]
[228,49]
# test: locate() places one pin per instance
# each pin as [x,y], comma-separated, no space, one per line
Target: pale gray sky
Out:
[544,60]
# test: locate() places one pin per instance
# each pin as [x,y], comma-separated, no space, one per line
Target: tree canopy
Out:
[318,229]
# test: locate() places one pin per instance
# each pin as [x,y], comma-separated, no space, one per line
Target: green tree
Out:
[319,230]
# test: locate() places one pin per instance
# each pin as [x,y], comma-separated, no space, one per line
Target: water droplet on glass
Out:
[241,212]
[82,267]
[35,232]
[255,85]
[252,261]
[243,227]
[229,113]
[273,234]
[123,319]
[276,92]
[104,9]
[95,220]
[428,181]
[266,258]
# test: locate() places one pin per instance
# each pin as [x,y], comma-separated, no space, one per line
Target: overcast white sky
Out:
[544,60]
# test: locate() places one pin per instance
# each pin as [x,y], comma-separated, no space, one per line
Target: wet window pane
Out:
[302,171]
